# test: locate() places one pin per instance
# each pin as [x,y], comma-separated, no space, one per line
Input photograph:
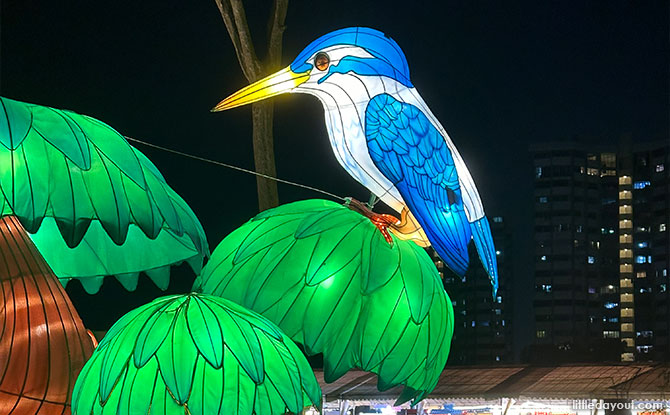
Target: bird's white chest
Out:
[345,101]
[345,121]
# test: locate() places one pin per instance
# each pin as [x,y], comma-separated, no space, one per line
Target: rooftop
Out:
[636,381]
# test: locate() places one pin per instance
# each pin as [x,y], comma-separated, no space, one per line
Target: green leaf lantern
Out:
[325,275]
[195,354]
[93,204]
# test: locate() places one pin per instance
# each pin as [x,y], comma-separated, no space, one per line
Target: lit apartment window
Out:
[625,195]
[660,167]
[629,343]
[538,172]
[607,201]
[626,268]
[627,327]
[542,199]
[561,227]
[626,298]
[541,334]
[608,289]
[661,227]
[625,253]
[641,184]
[626,283]
[641,274]
[591,259]
[611,334]
[610,305]
[625,209]
[627,312]
[592,172]
[608,159]
[643,244]
[641,259]
[626,239]
[625,180]
[625,224]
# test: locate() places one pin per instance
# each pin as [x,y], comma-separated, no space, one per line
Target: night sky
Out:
[498,76]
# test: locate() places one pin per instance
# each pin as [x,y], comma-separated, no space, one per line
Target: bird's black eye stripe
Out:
[321,61]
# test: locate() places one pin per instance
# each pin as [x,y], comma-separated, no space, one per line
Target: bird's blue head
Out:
[363,51]
[342,61]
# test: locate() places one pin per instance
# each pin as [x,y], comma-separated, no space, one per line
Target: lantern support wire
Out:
[230,166]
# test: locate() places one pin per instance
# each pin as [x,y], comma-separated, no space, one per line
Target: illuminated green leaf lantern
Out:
[95,206]
[327,277]
[195,354]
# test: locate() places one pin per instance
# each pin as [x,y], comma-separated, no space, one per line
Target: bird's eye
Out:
[321,61]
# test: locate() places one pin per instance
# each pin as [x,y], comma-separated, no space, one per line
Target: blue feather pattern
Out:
[414,156]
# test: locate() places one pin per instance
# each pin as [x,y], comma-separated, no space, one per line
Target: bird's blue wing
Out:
[414,156]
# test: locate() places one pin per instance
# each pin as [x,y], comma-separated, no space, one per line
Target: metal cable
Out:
[230,166]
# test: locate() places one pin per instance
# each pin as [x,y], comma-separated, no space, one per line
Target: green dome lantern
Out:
[195,354]
[327,277]
[93,204]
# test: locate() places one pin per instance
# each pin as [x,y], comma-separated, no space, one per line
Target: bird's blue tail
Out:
[481,233]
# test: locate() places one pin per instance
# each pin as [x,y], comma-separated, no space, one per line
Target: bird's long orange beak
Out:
[275,84]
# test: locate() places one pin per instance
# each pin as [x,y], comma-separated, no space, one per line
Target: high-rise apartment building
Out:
[482,329]
[602,248]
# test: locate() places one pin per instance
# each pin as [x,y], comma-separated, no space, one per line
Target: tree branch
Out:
[227,15]
[275,33]
[232,12]
[250,60]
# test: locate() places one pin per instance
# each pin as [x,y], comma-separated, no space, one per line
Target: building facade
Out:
[482,328]
[601,249]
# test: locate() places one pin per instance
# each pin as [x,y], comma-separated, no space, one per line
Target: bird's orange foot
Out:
[380,220]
